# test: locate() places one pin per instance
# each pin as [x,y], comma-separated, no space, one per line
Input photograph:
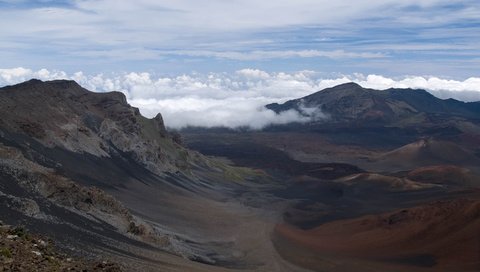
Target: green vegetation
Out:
[55,263]
[20,232]
[233,173]
[5,252]
[136,229]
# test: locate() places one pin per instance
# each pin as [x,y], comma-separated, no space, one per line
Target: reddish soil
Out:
[443,235]
[444,174]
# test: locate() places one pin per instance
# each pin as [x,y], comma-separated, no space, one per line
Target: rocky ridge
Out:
[351,104]
[63,114]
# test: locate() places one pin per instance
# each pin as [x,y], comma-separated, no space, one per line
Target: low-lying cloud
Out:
[235,99]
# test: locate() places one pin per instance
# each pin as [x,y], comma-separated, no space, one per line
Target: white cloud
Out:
[20,74]
[418,82]
[109,28]
[235,99]
[15,74]
[253,73]
[106,35]
[277,54]
[230,112]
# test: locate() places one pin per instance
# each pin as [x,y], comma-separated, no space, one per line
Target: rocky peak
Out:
[73,118]
[334,93]
[348,85]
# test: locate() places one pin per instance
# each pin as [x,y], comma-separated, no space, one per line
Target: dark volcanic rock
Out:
[21,250]
[350,104]
[62,114]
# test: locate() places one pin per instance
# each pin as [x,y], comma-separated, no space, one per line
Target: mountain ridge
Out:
[350,103]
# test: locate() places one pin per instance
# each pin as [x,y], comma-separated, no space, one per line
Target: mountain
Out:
[61,114]
[350,104]
[115,190]
[90,171]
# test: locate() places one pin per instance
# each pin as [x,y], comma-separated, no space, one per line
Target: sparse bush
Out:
[5,252]
[20,232]
[136,229]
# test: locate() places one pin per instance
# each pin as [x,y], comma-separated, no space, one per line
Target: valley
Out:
[383,183]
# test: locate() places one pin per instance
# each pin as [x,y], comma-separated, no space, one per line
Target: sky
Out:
[223,59]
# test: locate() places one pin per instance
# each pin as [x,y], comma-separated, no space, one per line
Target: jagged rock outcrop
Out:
[62,114]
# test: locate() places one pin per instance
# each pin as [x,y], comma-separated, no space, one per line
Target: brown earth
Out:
[24,251]
[444,174]
[425,152]
[440,236]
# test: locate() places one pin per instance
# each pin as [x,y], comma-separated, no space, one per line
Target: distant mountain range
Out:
[352,105]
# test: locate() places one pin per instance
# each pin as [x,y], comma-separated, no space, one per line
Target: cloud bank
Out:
[234,99]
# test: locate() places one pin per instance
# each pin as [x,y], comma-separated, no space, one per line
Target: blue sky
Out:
[391,38]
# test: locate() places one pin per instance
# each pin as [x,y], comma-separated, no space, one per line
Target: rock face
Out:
[63,114]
